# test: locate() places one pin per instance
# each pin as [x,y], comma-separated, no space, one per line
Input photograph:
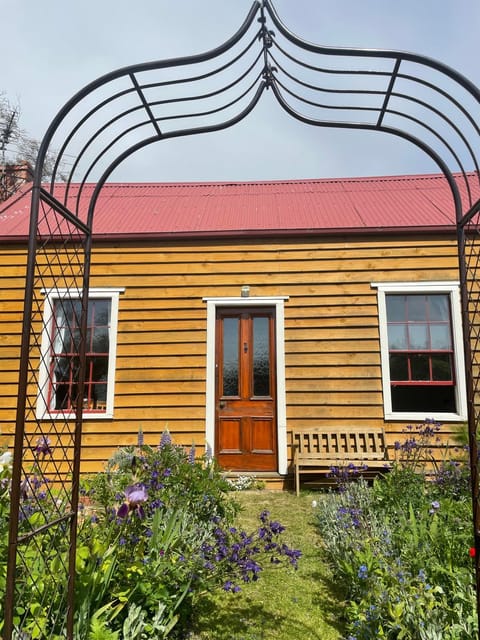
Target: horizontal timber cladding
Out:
[332,351]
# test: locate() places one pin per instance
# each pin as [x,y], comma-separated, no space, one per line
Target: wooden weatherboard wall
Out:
[332,351]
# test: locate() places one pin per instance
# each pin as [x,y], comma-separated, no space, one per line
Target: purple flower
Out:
[165,440]
[435,506]
[43,447]
[363,572]
[276,527]
[25,488]
[191,455]
[135,495]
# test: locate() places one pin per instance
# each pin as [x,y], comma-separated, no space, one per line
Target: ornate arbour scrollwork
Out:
[406,95]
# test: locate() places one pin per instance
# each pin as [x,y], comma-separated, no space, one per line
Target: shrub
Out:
[161,535]
[399,549]
[156,531]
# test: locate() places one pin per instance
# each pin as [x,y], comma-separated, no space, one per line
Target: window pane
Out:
[420,367]
[261,357]
[100,312]
[439,307]
[100,342]
[398,366]
[440,336]
[73,310]
[416,307]
[397,336]
[418,336]
[62,377]
[230,356]
[99,365]
[395,308]
[424,399]
[442,367]
[97,374]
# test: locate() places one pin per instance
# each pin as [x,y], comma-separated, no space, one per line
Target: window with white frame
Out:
[60,364]
[421,351]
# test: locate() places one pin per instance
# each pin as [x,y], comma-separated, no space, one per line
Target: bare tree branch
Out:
[18,151]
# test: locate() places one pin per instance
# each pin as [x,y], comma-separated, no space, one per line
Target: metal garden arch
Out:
[406,95]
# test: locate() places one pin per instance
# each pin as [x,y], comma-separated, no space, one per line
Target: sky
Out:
[50,50]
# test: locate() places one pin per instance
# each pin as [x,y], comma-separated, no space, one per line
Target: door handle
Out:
[222,404]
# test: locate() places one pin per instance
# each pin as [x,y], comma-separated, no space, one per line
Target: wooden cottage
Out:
[235,313]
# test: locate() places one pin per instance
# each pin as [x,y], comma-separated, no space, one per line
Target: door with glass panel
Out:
[246,432]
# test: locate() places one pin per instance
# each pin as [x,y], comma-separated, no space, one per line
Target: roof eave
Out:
[256,233]
[277,233]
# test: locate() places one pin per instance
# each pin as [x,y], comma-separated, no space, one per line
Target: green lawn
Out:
[283,604]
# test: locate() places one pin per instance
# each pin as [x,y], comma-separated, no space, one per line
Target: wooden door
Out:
[245,398]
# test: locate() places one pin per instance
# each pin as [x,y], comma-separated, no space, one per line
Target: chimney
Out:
[14,176]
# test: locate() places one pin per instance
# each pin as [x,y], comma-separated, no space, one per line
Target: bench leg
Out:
[297,480]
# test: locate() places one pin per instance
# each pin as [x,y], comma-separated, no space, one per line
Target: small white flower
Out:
[314,504]
[5,460]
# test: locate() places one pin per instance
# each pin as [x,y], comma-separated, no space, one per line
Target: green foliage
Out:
[155,532]
[139,559]
[5,476]
[36,576]
[181,480]
[399,549]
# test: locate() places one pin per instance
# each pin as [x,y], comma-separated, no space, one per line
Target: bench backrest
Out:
[354,443]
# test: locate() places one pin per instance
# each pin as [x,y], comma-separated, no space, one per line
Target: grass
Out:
[284,603]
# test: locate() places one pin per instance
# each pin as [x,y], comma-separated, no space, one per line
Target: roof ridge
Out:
[286,181]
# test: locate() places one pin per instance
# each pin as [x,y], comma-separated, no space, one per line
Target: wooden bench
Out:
[317,450]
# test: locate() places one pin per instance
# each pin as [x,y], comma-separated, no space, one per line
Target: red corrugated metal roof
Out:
[299,206]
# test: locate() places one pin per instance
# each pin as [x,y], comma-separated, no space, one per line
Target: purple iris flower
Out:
[43,447]
[135,496]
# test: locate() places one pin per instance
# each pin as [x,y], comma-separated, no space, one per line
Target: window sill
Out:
[90,415]
[421,417]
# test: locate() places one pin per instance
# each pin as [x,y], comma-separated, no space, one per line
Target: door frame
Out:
[277,302]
